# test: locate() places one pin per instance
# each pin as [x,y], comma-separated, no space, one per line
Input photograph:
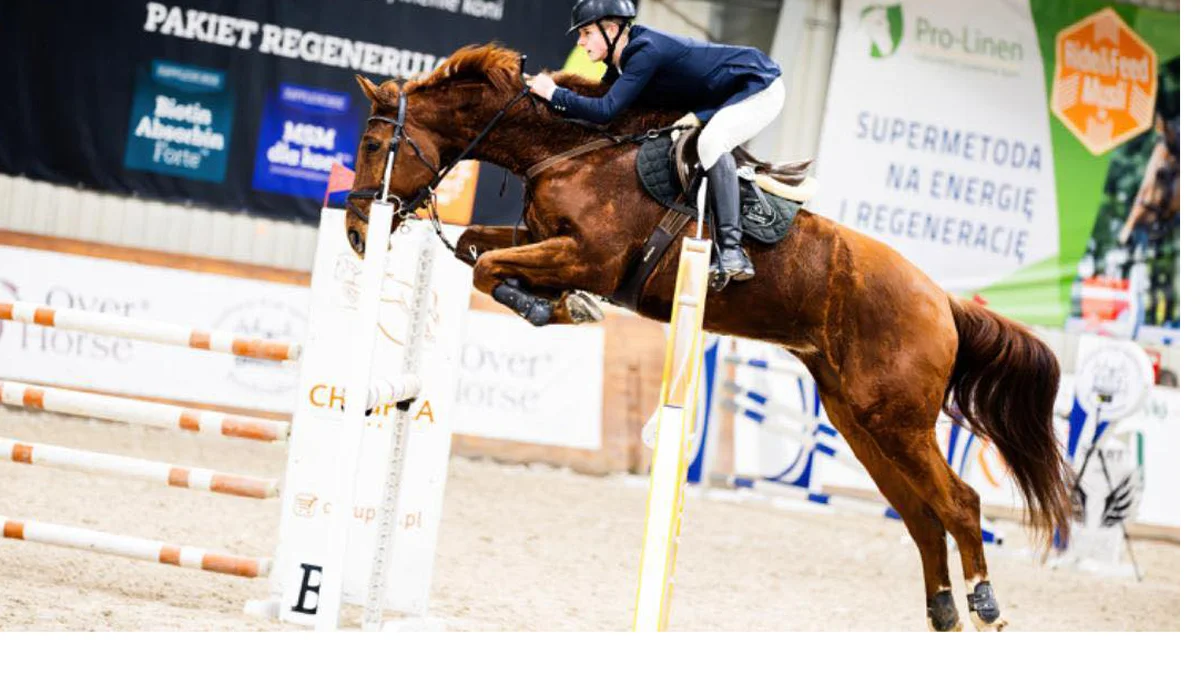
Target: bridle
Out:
[609,57]
[426,195]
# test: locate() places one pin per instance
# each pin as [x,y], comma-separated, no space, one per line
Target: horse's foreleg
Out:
[508,274]
[477,240]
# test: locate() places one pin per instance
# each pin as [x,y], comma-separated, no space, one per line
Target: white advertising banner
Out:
[536,385]
[118,365]
[936,139]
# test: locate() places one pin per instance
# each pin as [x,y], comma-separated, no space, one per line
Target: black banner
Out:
[241,105]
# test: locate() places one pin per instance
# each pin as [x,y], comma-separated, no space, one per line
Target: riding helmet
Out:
[591,11]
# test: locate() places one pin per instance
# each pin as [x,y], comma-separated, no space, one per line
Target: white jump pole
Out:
[780,367]
[391,390]
[117,409]
[134,547]
[149,331]
[676,431]
[745,407]
[118,465]
[747,398]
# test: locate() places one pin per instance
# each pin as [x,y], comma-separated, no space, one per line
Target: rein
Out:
[427,194]
[606,142]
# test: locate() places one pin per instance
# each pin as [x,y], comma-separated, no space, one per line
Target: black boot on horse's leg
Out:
[533,309]
[726,198]
[985,611]
[941,612]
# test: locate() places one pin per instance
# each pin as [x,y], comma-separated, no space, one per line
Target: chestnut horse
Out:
[887,346]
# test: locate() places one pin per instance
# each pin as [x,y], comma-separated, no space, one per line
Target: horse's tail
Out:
[1004,384]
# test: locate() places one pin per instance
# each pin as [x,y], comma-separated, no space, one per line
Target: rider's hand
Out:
[542,85]
[688,120]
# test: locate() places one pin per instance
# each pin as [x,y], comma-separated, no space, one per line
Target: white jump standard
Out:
[676,434]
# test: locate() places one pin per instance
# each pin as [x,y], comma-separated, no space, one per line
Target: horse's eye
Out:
[373,146]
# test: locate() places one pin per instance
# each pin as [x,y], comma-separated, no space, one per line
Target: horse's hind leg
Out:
[915,454]
[922,522]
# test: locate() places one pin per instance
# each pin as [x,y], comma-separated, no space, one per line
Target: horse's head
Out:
[428,121]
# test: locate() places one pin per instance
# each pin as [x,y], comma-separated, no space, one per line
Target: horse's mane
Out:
[501,68]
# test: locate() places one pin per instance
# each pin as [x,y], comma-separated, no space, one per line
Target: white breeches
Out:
[733,125]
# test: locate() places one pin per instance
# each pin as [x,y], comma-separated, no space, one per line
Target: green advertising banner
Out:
[1118,211]
[1024,152]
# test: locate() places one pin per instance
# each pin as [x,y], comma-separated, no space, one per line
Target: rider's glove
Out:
[688,120]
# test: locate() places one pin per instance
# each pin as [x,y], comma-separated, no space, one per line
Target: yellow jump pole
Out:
[676,432]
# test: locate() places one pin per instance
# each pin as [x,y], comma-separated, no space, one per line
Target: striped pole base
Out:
[134,547]
[130,467]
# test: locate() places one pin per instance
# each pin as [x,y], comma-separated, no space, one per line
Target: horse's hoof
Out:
[985,627]
[942,614]
[583,308]
[985,611]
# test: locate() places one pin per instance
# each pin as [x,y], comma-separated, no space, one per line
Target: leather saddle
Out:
[790,181]
[770,194]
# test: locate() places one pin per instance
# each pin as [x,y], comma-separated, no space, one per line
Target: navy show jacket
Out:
[661,70]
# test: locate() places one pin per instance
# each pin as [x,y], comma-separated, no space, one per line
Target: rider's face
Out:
[592,41]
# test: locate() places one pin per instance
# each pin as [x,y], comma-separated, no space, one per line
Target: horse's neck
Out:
[528,134]
[518,143]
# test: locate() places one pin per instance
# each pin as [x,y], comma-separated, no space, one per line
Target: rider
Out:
[736,91]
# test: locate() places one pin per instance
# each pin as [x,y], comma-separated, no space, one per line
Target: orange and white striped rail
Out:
[149,331]
[141,412]
[118,465]
[134,547]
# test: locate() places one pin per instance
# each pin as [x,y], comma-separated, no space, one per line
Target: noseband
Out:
[379,193]
[426,195]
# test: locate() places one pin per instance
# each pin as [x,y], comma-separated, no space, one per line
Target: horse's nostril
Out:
[356,241]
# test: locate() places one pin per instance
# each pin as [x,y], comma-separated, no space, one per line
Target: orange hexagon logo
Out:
[1105,81]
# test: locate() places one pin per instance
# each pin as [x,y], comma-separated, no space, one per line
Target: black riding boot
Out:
[726,199]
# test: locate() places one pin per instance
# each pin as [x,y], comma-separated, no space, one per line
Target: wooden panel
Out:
[633,357]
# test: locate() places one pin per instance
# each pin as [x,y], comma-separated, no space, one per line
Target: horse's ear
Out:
[368,88]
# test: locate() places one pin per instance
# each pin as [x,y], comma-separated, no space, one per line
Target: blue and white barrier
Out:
[804,427]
